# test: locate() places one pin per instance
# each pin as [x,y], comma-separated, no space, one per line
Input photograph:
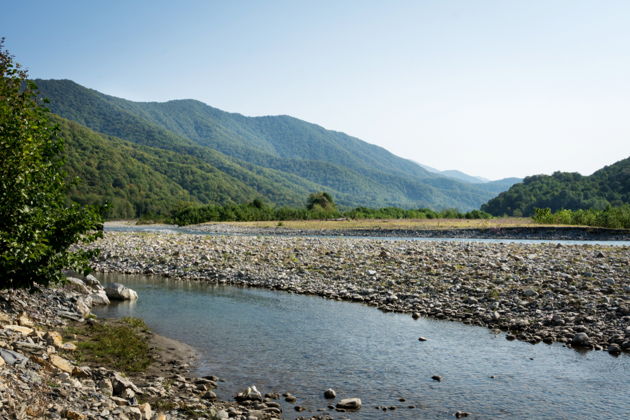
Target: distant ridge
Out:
[609,186]
[279,158]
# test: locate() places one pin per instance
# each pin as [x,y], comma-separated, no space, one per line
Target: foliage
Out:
[188,215]
[611,217]
[321,201]
[609,186]
[280,158]
[120,345]
[37,227]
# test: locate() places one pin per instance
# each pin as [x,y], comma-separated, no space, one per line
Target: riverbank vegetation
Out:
[320,206]
[120,344]
[37,225]
[611,217]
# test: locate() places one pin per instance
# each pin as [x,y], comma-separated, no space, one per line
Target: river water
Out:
[303,344]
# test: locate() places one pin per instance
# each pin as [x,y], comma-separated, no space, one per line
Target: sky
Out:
[492,88]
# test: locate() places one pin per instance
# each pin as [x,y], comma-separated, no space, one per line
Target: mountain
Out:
[609,186]
[280,158]
[137,179]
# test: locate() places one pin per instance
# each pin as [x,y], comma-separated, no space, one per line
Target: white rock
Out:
[117,291]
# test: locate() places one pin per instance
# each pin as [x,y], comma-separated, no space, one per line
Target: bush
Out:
[37,226]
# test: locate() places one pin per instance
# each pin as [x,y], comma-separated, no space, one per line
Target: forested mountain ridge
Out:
[609,186]
[280,158]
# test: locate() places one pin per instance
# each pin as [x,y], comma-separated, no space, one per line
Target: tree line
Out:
[319,205]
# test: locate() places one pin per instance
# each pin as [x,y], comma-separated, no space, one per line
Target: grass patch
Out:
[120,344]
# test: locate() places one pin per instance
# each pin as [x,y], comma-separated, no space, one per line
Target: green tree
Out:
[320,201]
[37,225]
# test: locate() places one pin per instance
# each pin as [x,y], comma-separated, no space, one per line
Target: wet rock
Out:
[580,339]
[436,378]
[349,404]
[249,394]
[422,339]
[330,393]
[117,291]
[461,414]
[614,349]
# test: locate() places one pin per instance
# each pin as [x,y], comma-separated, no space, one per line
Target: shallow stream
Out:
[302,344]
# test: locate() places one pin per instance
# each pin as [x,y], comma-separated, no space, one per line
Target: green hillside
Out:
[609,186]
[280,158]
[138,180]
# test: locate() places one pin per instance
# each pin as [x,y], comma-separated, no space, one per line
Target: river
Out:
[303,344]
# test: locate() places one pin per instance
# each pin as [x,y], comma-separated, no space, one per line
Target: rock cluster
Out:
[40,378]
[534,292]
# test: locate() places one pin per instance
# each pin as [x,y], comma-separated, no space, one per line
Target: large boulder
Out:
[76,285]
[117,291]
[99,298]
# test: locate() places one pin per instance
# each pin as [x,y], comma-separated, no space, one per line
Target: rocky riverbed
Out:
[571,233]
[574,294]
[40,376]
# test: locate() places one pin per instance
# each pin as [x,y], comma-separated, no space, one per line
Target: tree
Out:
[37,225]
[320,201]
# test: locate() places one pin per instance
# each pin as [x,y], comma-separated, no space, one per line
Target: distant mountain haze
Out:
[212,156]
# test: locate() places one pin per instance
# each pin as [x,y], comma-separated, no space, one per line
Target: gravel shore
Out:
[41,377]
[574,294]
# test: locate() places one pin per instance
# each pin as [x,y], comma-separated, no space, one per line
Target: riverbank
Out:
[555,233]
[42,375]
[577,295]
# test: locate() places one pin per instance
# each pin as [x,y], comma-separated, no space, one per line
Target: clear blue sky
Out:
[493,88]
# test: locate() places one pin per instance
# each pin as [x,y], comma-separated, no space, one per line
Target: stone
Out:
[117,291]
[92,282]
[106,387]
[349,404]
[100,298]
[146,411]
[54,338]
[4,317]
[82,307]
[74,415]
[209,395]
[422,339]
[12,358]
[614,349]
[61,363]
[25,321]
[120,384]
[2,362]
[25,331]
[330,393]
[249,394]
[460,414]
[76,285]
[580,340]
[69,346]
[415,315]
[134,413]
[436,378]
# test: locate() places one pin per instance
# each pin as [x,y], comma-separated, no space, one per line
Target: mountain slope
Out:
[562,190]
[280,158]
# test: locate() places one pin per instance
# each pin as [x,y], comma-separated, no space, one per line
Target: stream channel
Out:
[304,344]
